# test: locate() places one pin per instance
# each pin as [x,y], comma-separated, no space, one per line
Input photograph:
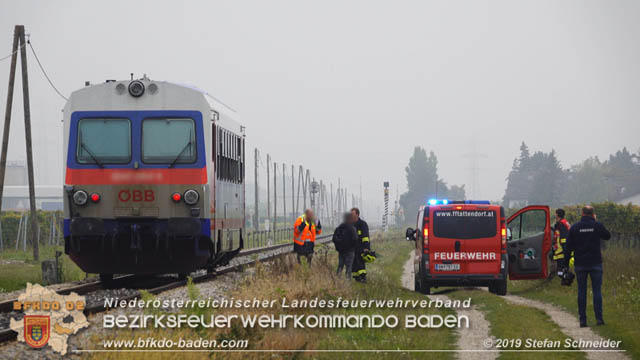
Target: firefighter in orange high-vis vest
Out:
[305,230]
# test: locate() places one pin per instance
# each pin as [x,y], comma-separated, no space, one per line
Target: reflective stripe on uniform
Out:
[562,241]
[359,272]
[365,239]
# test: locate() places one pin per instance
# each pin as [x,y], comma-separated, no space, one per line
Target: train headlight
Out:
[80,197]
[176,197]
[191,197]
[136,88]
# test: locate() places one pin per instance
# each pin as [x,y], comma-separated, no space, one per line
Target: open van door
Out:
[529,243]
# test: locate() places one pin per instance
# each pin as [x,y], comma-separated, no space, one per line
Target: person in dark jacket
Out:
[584,242]
[363,245]
[345,238]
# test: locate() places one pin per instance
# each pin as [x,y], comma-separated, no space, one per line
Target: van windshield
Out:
[464,224]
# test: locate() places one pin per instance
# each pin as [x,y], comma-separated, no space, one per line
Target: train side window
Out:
[105,141]
[229,157]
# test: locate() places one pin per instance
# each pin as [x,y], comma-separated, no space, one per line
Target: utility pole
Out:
[333,213]
[275,199]
[360,200]
[7,113]
[339,200]
[27,133]
[284,193]
[256,216]
[474,157]
[268,191]
[20,43]
[293,187]
[304,188]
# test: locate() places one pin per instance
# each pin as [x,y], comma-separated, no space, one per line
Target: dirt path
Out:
[468,339]
[569,325]
[473,337]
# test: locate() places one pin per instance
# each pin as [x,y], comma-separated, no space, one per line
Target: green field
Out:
[620,291]
[17,267]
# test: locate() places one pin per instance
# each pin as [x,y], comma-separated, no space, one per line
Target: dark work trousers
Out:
[595,272]
[345,259]
[359,270]
[309,257]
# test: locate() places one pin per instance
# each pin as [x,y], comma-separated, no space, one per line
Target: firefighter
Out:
[359,271]
[561,232]
[305,230]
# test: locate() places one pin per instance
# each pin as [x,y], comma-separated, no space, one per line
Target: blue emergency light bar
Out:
[447,202]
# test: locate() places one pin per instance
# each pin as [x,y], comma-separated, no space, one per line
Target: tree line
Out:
[539,178]
[423,183]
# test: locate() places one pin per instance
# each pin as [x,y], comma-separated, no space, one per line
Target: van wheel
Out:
[501,287]
[492,287]
[423,286]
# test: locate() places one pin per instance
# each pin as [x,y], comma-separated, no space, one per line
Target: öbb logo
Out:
[136,195]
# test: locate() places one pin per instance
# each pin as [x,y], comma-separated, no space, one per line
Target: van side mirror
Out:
[410,234]
[509,236]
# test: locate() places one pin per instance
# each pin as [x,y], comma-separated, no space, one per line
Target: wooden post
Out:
[27,133]
[7,112]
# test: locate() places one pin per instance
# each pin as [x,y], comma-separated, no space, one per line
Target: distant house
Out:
[634,199]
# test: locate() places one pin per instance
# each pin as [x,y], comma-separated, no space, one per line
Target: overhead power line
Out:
[10,55]
[44,72]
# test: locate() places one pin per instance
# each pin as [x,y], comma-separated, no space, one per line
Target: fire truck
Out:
[472,243]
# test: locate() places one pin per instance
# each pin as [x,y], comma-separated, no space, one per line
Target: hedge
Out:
[11,219]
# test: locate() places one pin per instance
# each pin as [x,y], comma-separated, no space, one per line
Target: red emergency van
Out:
[470,243]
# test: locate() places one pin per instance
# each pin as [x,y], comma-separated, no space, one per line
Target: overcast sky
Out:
[348,88]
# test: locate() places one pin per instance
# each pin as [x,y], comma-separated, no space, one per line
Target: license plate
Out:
[447,267]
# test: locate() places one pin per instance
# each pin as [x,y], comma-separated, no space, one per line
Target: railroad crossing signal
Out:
[385,217]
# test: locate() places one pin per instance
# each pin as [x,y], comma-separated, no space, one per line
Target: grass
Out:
[509,321]
[284,278]
[17,267]
[620,291]
[385,282]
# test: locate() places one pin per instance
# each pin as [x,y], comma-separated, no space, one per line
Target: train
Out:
[153,179]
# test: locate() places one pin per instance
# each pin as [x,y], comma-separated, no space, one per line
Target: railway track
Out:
[160,286]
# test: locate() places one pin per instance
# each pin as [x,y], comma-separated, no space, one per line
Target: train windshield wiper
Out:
[185,147]
[95,158]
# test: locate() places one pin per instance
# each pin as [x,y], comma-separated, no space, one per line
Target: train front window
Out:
[104,141]
[168,141]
